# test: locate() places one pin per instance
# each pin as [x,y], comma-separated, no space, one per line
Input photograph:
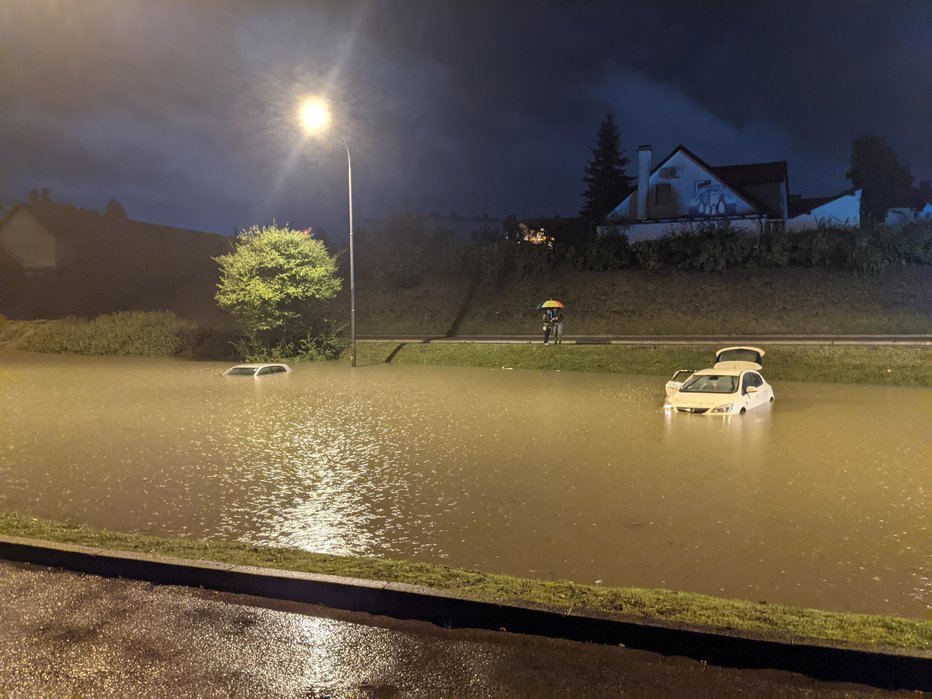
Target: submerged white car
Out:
[257,370]
[733,385]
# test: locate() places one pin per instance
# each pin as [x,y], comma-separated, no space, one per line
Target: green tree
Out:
[605,178]
[268,279]
[884,182]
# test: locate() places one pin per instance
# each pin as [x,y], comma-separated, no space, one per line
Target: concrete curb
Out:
[844,340]
[885,670]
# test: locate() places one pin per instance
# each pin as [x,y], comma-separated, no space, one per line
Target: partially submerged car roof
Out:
[254,369]
[739,358]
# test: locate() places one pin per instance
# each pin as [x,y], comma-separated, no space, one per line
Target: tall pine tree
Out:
[606,181]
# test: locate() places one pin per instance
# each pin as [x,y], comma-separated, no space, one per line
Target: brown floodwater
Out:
[819,500]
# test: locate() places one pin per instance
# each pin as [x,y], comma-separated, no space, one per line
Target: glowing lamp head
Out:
[314,115]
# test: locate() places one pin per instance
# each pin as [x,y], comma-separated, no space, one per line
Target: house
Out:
[843,209]
[682,189]
[58,259]
[921,209]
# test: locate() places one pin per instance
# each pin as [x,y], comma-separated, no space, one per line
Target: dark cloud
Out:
[185,110]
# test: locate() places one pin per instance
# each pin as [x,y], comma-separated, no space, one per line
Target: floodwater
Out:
[819,500]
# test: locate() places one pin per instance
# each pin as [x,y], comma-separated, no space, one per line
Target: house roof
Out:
[735,176]
[799,205]
[753,173]
[74,222]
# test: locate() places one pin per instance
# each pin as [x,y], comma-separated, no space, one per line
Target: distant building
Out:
[843,209]
[682,189]
[921,209]
[63,260]
[560,229]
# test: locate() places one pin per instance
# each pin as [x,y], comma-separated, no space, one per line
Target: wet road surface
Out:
[64,634]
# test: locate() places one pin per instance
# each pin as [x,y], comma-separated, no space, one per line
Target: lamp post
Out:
[314,115]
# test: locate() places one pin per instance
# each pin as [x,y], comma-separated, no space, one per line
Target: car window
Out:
[711,383]
[756,380]
[241,371]
[739,355]
[263,371]
[277,369]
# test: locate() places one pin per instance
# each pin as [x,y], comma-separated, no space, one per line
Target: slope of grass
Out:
[746,301]
[863,630]
[895,365]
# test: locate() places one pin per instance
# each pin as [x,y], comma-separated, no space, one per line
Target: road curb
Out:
[890,670]
[831,340]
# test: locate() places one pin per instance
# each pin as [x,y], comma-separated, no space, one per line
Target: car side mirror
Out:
[751,389]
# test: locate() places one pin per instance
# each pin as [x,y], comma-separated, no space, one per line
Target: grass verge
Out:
[861,630]
[892,365]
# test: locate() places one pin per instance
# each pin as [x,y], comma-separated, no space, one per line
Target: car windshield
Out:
[241,371]
[711,383]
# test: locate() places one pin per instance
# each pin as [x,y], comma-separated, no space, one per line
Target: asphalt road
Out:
[67,634]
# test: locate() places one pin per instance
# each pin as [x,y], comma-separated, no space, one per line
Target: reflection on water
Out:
[821,499]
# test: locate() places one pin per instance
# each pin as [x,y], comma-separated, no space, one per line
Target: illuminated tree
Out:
[268,279]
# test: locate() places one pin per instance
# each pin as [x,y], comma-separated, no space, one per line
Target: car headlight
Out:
[721,410]
[668,408]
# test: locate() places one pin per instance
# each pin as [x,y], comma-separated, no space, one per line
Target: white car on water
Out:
[733,385]
[257,370]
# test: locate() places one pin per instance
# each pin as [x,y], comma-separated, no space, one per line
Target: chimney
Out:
[644,156]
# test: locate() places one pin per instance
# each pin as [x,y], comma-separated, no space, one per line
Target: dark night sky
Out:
[184,111]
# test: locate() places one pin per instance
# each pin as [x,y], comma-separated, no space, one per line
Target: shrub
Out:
[145,333]
[327,344]
[608,253]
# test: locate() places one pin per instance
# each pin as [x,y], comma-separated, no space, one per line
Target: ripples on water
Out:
[819,500]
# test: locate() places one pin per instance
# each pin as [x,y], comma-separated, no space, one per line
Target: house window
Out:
[702,184]
[662,194]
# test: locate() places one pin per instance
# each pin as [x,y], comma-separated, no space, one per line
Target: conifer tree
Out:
[605,178]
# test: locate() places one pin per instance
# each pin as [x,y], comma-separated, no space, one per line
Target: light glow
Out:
[314,115]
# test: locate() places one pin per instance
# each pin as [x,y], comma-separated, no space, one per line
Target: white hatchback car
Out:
[257,370]
[727,358]
[733,385]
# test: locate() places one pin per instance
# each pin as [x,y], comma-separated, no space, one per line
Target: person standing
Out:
[548,324]
[558,326]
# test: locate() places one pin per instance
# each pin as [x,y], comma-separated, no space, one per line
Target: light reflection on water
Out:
[819,500]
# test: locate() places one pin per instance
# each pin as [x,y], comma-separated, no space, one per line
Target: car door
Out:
[757,396]
[744,398]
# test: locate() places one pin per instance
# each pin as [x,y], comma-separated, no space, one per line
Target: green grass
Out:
[739,302]
[144,333]
[894,365]
[862,630]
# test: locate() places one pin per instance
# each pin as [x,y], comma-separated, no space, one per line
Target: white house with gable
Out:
[682,189]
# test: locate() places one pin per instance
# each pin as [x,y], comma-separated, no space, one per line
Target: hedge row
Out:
[707,247]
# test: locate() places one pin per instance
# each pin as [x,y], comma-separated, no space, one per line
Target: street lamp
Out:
[314,115]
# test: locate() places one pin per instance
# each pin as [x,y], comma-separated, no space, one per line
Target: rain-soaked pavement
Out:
[63,633]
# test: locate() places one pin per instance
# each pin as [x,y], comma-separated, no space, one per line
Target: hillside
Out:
[745,301]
